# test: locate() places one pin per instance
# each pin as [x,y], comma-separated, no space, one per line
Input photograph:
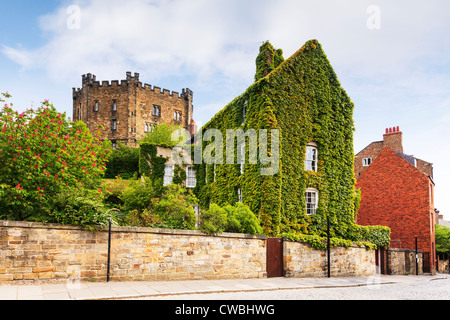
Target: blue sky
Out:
[397,74]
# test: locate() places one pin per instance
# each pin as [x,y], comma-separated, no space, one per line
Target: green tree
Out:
[42,155]
[442,235]
[123,161]
[162,135]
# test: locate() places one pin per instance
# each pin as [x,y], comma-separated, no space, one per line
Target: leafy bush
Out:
[370,237]
[123,161]
[214,220]
[144,218]
[79,208]
[175,208]
[148,204]
[238,218]
[138,196]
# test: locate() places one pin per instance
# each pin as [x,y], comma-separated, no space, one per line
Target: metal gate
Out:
[274,257]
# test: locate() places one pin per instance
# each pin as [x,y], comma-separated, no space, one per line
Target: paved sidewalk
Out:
[129,290]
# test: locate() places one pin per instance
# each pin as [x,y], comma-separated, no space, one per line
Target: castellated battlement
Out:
[129,108]
[91,81]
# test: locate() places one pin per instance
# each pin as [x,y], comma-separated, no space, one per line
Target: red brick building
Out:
[397,190]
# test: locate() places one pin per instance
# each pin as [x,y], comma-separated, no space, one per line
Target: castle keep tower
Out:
[130,109]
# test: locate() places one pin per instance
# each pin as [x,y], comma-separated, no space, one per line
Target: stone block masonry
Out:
[33,251]
[51,252]
[302,260]
[129,109]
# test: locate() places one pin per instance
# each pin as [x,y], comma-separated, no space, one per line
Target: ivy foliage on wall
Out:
[150,164]
[123,161]
[268,59]
[303,98]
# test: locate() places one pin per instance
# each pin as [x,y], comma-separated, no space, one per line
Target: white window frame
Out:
[177,115]
[156,112]
[311,157]
[168,174]
[366,162]
[244,111]
[239,195]
[242,151]
[191,181]
[197,214]
[312,200]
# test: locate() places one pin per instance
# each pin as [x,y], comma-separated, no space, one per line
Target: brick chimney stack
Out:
[393,139]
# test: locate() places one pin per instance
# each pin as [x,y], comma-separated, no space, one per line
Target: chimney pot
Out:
[398,129]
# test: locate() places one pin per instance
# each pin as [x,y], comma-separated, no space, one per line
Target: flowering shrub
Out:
[42,154]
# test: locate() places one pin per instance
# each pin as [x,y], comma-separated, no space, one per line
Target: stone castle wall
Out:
[126,108]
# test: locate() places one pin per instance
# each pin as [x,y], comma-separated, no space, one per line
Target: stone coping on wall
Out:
[40,225]
[354,245]
[404,250]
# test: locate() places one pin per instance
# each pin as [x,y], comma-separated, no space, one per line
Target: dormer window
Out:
[366,162]
[311,158]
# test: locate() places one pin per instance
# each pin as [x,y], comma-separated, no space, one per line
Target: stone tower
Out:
[130,109]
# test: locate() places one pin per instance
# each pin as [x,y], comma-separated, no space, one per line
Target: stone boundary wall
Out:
[52,252]
[403,261]
[302,260]
[34,251]
[443,265]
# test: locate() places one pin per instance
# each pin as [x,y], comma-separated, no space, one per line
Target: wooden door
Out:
[274,257]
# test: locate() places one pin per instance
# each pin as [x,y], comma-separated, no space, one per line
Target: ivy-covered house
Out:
[301,117]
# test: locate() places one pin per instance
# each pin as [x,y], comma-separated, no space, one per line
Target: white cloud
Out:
[159,38]
[21,57]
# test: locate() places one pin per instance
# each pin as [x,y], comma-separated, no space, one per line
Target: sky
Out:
[391,57]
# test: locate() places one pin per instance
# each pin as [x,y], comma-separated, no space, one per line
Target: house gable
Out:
[304,100]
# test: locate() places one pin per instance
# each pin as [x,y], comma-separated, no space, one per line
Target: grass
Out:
[116,186]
